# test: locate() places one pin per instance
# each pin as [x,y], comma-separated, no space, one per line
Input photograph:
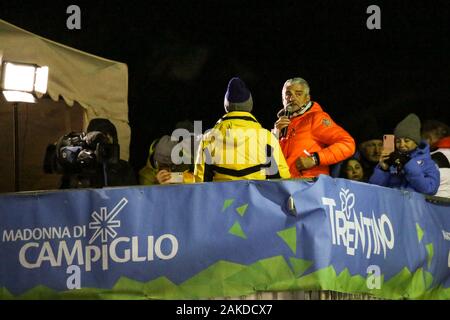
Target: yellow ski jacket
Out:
[238,148]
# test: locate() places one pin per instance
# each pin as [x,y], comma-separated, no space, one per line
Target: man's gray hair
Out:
[298,81]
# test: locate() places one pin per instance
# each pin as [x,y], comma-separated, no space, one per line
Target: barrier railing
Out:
[231,239]
[301,295]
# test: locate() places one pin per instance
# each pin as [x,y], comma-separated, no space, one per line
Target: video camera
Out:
[79,152]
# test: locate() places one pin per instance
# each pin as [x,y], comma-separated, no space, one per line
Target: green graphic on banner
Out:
[419,232]
[236,230]
[227,203]
[299,265]
[5,294]
[226,279]
[241,210]
[290,237]
[430,252]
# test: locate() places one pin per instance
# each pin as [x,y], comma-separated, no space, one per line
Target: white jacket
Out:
[444,186]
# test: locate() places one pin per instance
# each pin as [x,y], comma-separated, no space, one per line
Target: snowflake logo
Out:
[104,223]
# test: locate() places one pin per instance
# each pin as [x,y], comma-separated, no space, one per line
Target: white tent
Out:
[98,85]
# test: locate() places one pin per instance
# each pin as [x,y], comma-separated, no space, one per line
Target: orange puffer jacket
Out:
[315,131]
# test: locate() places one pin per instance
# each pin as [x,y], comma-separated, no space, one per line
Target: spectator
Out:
[313,141]
[159,163]
[238,147]
[167,170]
[410,166]
[370,144]
[437,135]
[147,175]
[352,169]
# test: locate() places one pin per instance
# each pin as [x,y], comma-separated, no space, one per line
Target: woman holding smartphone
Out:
[409,166]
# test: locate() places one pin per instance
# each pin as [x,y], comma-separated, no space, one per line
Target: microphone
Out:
[288,114]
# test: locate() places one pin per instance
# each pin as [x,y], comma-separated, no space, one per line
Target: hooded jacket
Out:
[238,148]
[147,175]
[315,132]
[419,174]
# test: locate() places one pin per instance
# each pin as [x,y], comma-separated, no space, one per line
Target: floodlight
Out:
[20,81]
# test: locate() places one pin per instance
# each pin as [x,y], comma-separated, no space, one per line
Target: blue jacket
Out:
[419,174]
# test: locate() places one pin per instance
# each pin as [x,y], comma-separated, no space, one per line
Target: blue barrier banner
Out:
[223,239]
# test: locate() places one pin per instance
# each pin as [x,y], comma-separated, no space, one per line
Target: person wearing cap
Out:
[410,166]
[147,174]
[238,147]
[370,145]
[160,168]
[167,170]
[312,141]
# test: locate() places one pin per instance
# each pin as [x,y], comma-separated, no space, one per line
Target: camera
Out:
[398,159]
[78,152]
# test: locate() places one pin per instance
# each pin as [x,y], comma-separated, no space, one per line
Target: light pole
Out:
[16,146]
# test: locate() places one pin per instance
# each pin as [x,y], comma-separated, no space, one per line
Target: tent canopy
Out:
[99,85]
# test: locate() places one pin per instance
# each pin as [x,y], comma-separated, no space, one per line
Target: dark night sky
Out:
[181,55]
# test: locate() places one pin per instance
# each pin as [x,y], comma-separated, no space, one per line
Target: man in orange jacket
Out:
[311,141]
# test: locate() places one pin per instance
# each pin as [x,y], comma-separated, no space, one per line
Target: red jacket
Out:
[315,131]
[443,143]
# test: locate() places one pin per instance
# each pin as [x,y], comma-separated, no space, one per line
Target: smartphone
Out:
[389,143]
[176,177]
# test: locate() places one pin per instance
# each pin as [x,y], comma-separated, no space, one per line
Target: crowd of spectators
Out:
[304,143]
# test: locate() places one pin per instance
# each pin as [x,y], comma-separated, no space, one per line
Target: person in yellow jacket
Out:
[238,148]
[147,175]
[160,168]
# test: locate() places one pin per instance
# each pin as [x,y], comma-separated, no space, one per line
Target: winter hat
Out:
[103,125]
[163,150]
[409,128]
[238,97]
[185,124]
[369,131]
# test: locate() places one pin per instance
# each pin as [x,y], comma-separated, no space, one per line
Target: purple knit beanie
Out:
[238,97]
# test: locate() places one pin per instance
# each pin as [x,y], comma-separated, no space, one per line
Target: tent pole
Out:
[16,147]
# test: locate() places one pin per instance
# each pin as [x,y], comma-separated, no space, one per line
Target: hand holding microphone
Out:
[283,122]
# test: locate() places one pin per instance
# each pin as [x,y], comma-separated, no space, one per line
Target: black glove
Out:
[86,158]
[95,137]
[398,159]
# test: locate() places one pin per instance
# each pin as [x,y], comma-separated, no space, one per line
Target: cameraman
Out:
[108,172]
[410,166]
